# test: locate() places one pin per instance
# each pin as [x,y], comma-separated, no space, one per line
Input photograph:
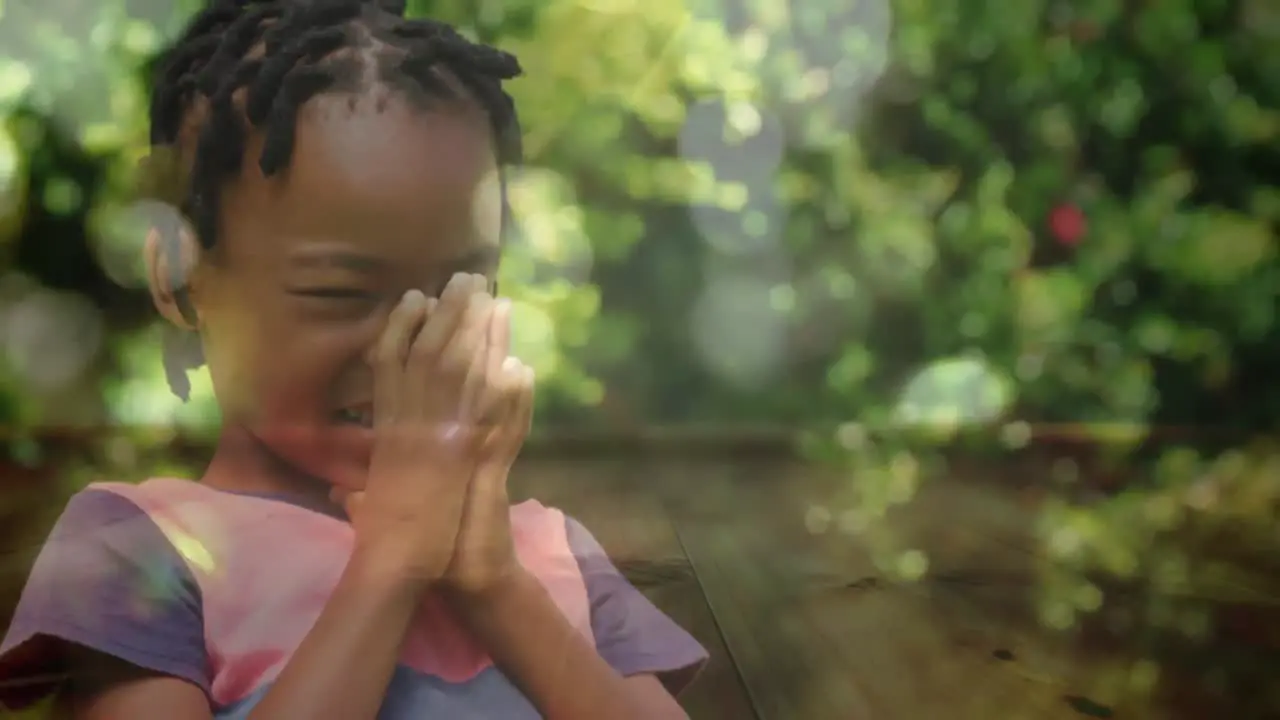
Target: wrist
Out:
[495,596]
[383,572]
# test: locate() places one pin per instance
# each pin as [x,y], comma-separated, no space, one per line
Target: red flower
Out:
[1068,224]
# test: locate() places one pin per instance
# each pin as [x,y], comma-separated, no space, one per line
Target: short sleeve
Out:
[106,579]
[631,634]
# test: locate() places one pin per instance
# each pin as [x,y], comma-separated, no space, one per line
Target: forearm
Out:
[551,661]
[343,666]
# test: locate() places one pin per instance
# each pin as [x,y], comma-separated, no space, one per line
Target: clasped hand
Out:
[451,410]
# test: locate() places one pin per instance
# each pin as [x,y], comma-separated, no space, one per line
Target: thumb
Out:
[518,418]
[349,500]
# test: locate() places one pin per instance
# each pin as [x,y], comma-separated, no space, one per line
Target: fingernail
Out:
[413,297]
[510,364]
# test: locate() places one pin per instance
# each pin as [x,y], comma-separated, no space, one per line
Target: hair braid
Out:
[236,42]
[282,53]
[308,48]
[304,83]
[176,80]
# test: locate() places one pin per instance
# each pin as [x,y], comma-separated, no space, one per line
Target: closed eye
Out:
[335,294]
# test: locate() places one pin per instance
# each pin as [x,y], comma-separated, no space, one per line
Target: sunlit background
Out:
[896,227]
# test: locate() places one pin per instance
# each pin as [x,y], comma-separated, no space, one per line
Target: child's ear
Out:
[171,253]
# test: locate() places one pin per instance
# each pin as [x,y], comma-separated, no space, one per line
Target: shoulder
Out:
[107,579]
[630,632]
[99,523]
[104,504]
[551,542]
[551,529]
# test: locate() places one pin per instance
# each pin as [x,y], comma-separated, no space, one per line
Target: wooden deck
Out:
[805,626]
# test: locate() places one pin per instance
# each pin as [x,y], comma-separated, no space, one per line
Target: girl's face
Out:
[379,198]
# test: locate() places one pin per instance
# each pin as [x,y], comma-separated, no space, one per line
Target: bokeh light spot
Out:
[50,338]
[10,167]
[954,392]
[533,338]
[551,225]
[736,330]
[743,146]
[15,80]
[911,565]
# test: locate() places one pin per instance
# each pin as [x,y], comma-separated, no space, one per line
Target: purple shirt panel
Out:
[108,579]
[632,634]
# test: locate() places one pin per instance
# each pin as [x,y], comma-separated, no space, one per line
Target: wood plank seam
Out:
[752,700]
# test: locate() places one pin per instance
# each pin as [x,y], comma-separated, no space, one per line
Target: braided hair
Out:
[247,66]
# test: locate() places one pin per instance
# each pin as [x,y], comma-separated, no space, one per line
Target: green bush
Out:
[788,215]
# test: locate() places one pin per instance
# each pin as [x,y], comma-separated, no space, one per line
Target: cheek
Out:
[307,377]
[298,388]
[273,372]
[486,208]
[230,349]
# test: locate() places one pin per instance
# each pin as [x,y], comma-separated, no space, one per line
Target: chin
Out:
[344,465]
[338,455]
[348,476]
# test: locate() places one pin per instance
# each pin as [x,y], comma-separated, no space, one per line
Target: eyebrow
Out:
[477,257]
[346,259]
[480,257]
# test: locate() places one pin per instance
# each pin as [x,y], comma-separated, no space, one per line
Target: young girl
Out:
[349,552]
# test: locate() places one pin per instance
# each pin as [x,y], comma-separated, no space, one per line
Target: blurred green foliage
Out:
[776,212]
[885,221]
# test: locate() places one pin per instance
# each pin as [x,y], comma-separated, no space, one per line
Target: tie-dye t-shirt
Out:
[219,589]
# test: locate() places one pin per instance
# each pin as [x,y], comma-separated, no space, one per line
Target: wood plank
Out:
[721,524]
[988,570]
[614,498]
[810,648]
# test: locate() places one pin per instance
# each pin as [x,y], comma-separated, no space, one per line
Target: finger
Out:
[500,402]
[524,407]
[348,500]
[494,389]
[488,495]
[389,353]
[338,495]
[517,410]
[393,344]
[444,320]
[435,388]
[352,504]
[500,332]
[475,386]
[454,380]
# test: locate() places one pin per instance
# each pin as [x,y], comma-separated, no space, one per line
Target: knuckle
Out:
[397,325]
[385,352]
[447,362]
[501,383]
[468,348]
[396,318]
[422,350]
